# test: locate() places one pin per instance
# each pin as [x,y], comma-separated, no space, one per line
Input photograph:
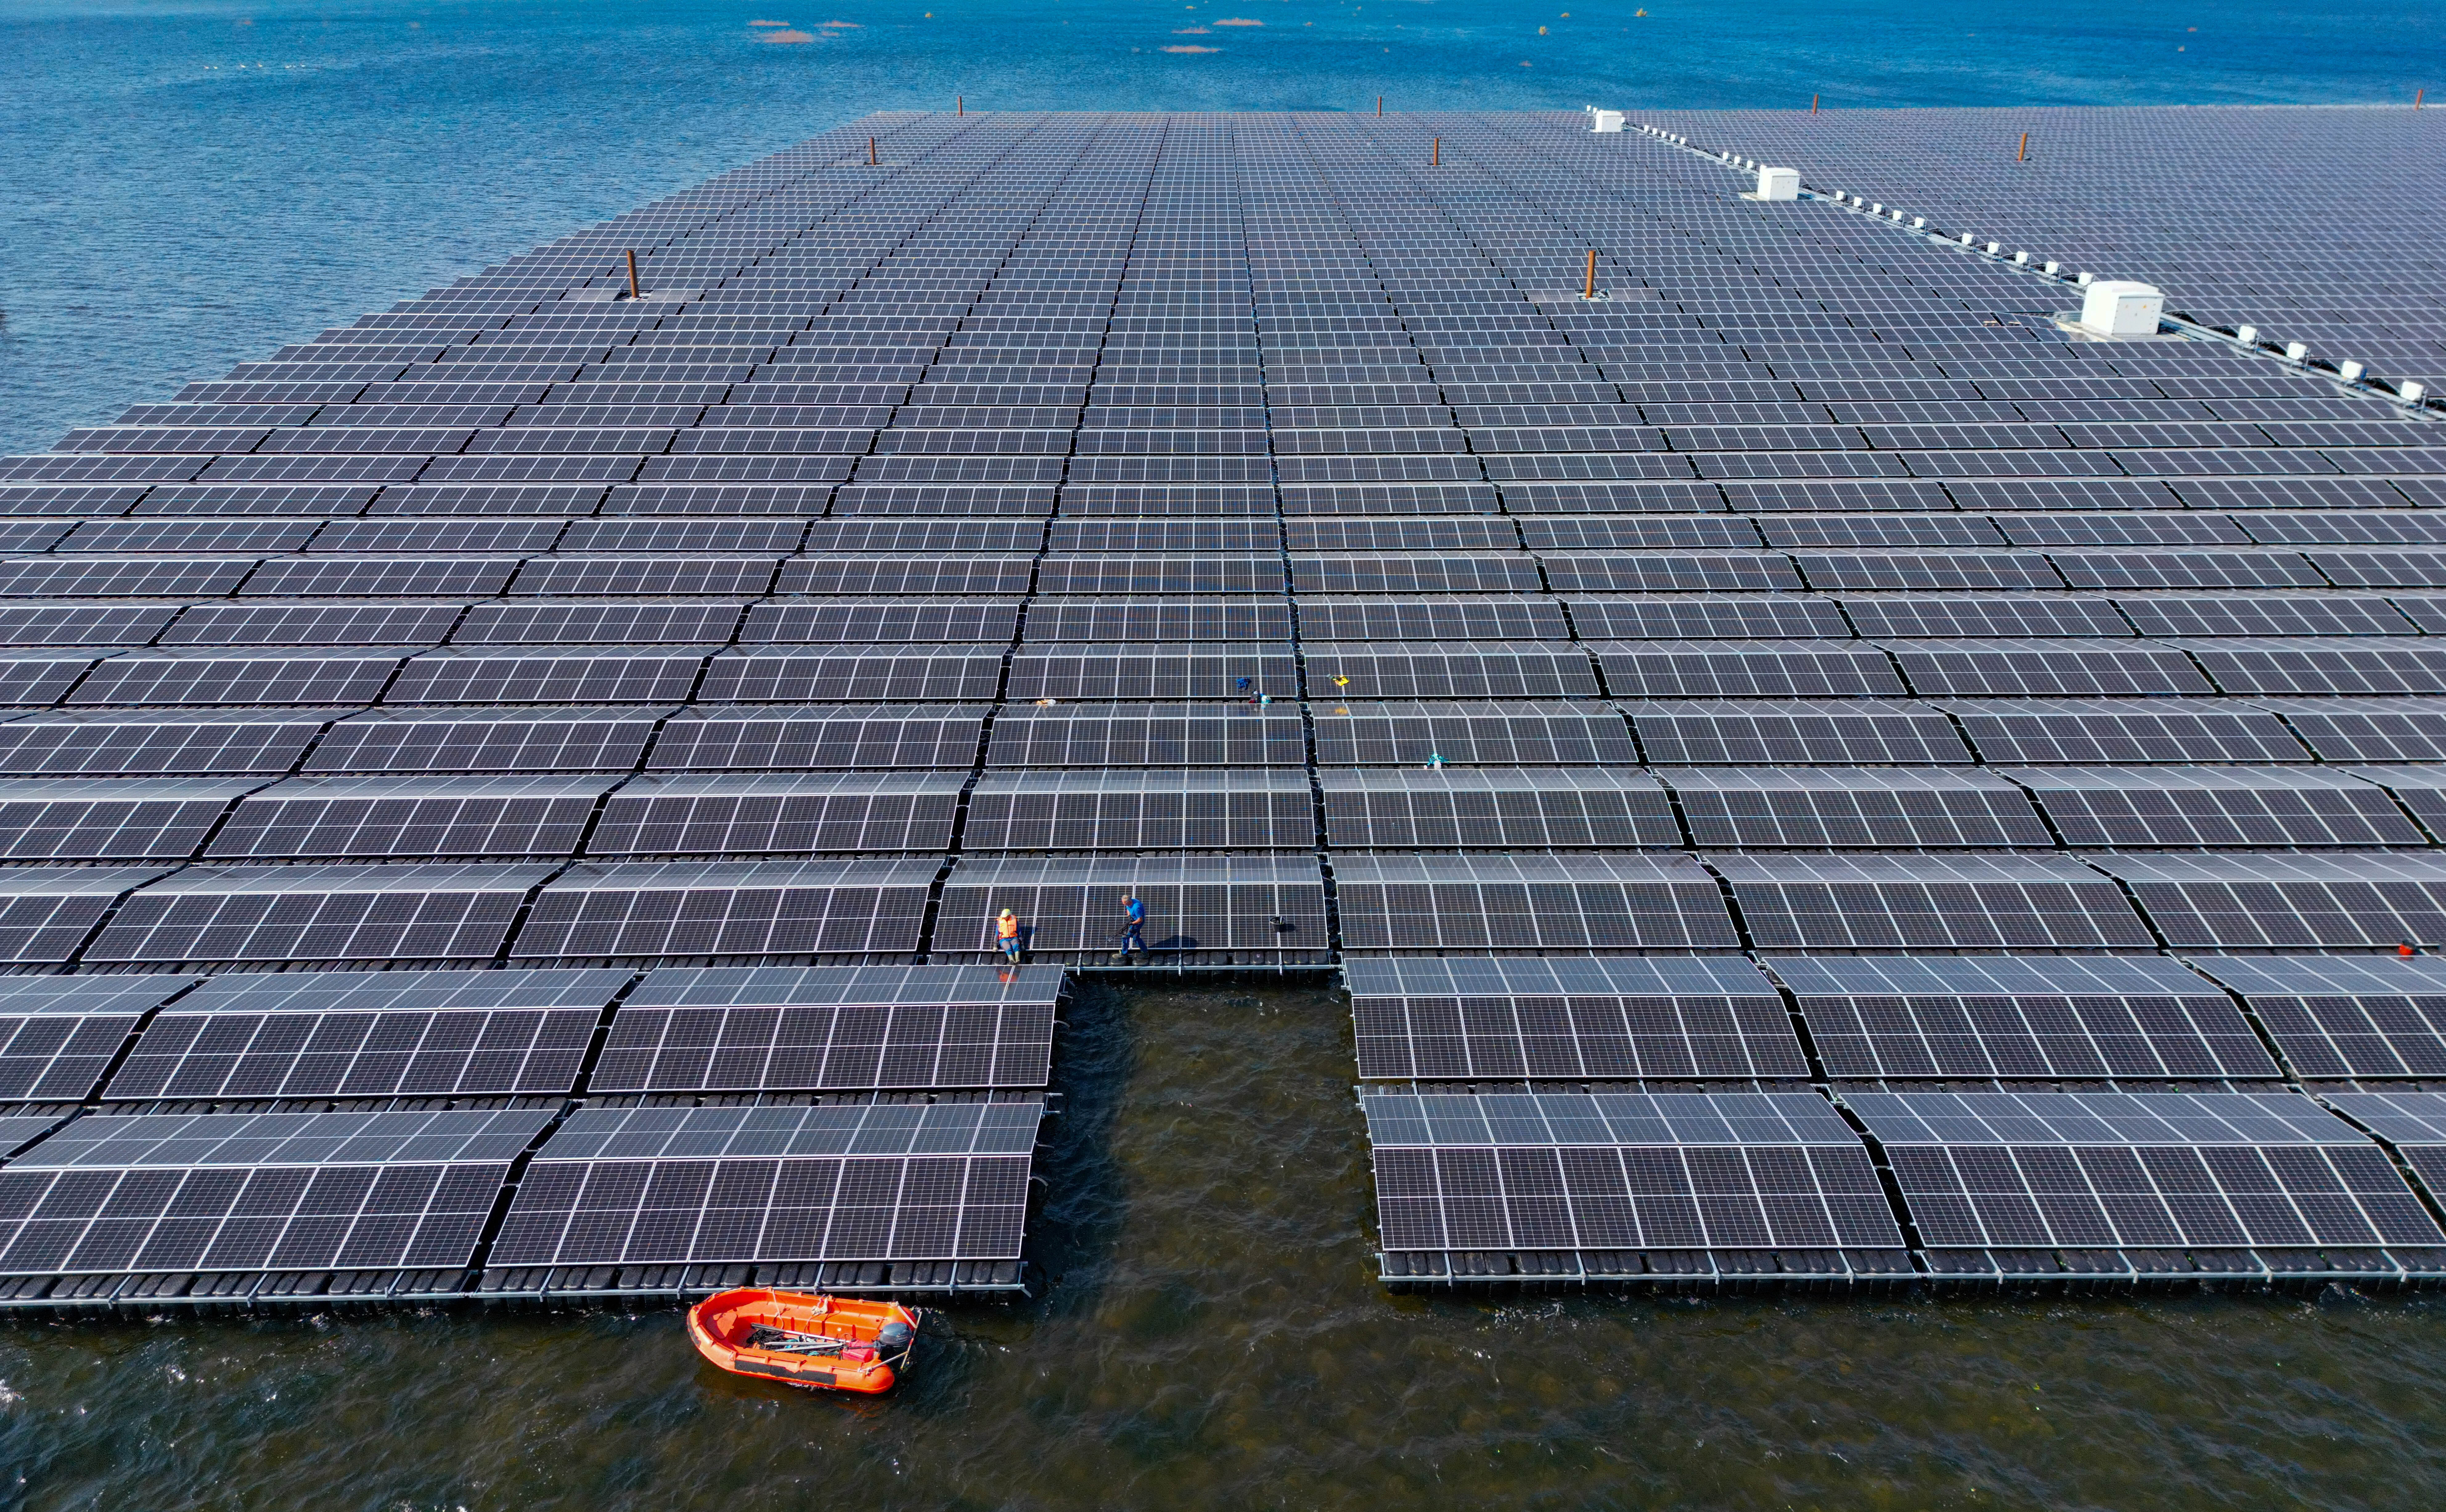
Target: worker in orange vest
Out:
[1006,933]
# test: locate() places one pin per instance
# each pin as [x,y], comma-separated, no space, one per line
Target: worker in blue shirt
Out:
[1133,936]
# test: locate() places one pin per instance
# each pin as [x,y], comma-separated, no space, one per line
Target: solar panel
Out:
[1155,809]
[2043,667]
[1986,615]
[2302,665]
[1793,733]
[377,817]
[1052,617]
[2376,729]
[2410,1122]
[2124,730]
[753,814]
[728,908]
[402,1033]
[832,1181]
[1095,673]
[486,740]
[2280,901]
[1494,1018]
[1920,902]
[893,673]
[851,735]
[46,912]
[1704,616]
[157,742]
[1327,618]
[1409,903]
[1835,807]
[326,913]
[58,1034]
[2343,1016]
[1536,807]
[814,1029]
[259,1191]
[2018,1016]
[1146,735]
[1612,1171]
[2214,806]
[1509,734]
[2129,1170]
[1735,668]
[112,818]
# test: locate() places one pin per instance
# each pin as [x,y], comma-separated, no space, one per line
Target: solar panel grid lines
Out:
[1262,507]
[255,1192]
[1622,1171]
[59,1036]
[786,1028]
[2139,1171]
[856,1181]
[351,1035]
[1490,1018]
[2017,1018]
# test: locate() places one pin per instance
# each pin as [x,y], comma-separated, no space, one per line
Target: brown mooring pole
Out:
[2024,156]
[1435,158]
[1380,105]
[959,104]
[632,272]
[870,152]
[1590,290]
[1813,105]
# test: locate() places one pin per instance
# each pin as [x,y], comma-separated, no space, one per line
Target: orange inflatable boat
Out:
[838,1342]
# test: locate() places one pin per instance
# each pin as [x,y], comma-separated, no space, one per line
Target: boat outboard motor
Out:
[893,1336]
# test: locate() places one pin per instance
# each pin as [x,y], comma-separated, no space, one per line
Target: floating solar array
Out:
[2315,250]
[1800,676]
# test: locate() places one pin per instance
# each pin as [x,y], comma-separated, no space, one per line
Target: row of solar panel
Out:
[1221,908]
[147,489]
[415,1191]
[2072,731]
[1257,621]
[522,1032]
[1987,1017]
[54,819]
[2189,1174]
[552,674]
[2135,463]
[925,533]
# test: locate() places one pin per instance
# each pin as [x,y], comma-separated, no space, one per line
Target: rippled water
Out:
[1211,1337]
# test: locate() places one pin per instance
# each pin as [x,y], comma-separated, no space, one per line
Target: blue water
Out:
[185,185]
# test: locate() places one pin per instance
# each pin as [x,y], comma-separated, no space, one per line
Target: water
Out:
[188,184]
[1211,1338]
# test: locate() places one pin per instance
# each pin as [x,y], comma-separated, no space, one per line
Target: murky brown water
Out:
[1212,1338]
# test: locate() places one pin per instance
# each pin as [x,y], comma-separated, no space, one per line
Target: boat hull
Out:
[721,1326]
